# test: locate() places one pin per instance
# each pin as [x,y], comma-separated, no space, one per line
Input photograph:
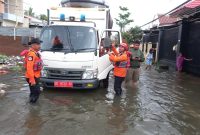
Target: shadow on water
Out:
[162,103]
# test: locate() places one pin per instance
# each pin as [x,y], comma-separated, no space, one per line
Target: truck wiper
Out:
[54,49]
[82,49]
[45,50]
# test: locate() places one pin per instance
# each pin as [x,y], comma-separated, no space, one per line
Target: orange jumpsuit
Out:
[32,57]
[118,71]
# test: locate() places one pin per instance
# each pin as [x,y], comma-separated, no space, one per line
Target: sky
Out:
[142,11]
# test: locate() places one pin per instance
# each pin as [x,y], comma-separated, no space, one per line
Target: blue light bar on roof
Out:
[62,17]
[82,18]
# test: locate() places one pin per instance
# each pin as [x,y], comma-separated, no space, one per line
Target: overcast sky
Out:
[142,11]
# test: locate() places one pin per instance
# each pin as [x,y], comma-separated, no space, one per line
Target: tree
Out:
[29,12]
[123,18]
[134,33]
[126,36]
[43,17]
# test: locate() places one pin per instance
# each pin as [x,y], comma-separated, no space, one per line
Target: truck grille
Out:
[64,74]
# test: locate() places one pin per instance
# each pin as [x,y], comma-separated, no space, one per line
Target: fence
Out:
[10,39]
[191,47]
[188,33]
[11,31]
[168,40]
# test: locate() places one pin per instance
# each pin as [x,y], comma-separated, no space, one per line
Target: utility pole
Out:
[16,13]
[16,20]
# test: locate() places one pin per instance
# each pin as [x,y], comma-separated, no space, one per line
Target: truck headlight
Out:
[44,73]
[90,74]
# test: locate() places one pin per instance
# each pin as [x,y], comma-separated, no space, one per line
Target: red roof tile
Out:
[166,20]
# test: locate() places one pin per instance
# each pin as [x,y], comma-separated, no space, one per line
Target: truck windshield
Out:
[68,38]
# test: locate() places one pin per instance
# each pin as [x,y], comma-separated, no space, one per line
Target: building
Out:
[35,22]
[164,20]
[178,36]
[11,13]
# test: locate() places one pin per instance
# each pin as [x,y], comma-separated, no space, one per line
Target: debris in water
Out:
[2,92]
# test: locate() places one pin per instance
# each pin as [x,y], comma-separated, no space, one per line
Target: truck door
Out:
[104,64]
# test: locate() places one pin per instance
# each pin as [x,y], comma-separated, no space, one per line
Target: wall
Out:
[169,38]
[190,47]
[8,23]
[9,46]
[18,9]
[11,11]
[26,23]
[2,7]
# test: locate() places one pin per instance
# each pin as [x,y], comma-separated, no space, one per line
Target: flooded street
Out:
[163,103]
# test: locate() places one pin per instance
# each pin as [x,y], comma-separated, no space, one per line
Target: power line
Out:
[165,13]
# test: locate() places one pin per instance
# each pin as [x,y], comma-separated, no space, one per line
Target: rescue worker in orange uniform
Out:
[33,66]
[120,60]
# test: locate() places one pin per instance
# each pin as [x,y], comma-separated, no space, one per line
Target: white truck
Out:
[82,62]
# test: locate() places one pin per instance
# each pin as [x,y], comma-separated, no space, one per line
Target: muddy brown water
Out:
[163,103]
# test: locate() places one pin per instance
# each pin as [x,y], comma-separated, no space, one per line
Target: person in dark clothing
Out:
[57,45]
[34,90]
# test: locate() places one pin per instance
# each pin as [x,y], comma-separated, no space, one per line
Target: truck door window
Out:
[115,38]
[47,37]
[102,49]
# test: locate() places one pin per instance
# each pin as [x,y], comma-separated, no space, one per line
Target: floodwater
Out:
[162,103]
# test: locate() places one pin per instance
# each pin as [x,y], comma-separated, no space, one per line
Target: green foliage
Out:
[3,58]
[29,12]
[134,33]
[16,68]
[43,17]
[123,19]
[127,37]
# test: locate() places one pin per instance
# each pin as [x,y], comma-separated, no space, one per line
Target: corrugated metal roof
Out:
[193,4]
[187,9]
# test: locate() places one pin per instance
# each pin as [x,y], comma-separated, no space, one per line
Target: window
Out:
[73,38]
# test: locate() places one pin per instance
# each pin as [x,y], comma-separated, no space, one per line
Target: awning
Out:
[189,8]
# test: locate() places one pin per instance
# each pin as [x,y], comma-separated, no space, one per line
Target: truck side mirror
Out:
[107,43]
[25,41]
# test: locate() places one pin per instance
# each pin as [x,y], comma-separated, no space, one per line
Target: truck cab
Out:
[75,53]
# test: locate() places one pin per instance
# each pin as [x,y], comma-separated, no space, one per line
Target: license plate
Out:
[63,84]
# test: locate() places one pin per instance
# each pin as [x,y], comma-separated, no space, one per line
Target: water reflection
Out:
[122,109]
[33,121]
[117,118]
